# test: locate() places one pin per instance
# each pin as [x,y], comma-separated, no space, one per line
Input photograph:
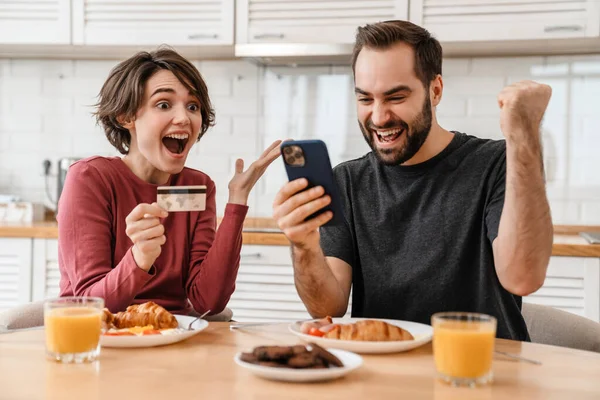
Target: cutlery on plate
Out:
[243,325]
[189,328]
[516,357]
[251,325]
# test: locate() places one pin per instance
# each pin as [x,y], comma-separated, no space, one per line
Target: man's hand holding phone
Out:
[293,204]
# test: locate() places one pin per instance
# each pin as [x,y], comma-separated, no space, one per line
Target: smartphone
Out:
[309,159]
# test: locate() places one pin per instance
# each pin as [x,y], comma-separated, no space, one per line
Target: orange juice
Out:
[463,349]
[72,329]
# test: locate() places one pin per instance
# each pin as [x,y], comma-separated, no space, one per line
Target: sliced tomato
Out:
[315,332]
[151,332]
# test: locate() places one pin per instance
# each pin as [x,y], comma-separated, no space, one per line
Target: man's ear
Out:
[126,123]
[436,88]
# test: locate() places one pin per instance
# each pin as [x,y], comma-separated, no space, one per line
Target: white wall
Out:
[45,113]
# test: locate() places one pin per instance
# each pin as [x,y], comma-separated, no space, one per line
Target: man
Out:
[435,220]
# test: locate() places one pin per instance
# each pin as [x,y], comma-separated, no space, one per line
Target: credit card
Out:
[182,198]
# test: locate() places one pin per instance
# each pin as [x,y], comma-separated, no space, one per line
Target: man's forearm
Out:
[524,243]
[316,284]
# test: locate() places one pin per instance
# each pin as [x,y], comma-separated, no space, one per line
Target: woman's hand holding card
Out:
[146,232]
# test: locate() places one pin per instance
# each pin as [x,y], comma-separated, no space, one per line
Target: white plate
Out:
[421,332]
[156,340]
[351,362]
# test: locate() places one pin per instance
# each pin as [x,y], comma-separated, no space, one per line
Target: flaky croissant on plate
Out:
[368,330]
[145,314]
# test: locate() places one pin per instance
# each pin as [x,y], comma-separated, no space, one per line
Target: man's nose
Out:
[380,115]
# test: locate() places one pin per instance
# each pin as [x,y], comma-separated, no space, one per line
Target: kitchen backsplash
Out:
[45,113]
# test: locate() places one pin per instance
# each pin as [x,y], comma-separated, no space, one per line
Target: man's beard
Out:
[416,134]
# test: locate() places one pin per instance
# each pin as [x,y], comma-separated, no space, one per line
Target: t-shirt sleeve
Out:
[337,240]
[495,200]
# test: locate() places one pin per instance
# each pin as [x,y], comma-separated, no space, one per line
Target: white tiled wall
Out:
[45,111]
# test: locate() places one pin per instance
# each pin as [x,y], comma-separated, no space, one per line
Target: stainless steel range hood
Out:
[295,53]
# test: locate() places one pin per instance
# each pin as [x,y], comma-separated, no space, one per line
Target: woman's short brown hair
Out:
[383,35]
[123,92]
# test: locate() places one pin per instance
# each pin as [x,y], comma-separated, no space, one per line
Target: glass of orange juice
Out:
[463,347]
[73,326]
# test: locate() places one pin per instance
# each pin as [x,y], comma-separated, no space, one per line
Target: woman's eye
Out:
[163,105]
[193,107]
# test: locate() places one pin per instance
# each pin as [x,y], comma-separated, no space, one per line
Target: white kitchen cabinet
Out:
[310,21]
[265,288]
[496,20]
[46,275]
[572,284]
[35,21]
[153,22]
[15,272]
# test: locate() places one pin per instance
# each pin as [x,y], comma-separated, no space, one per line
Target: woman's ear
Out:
[436,89]
[126,123]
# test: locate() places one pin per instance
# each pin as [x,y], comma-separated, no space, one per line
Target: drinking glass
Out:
[73,326]
[463,347]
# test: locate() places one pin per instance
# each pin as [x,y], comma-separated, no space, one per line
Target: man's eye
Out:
[163,105]
[364,100]
[397,98]
[193,107]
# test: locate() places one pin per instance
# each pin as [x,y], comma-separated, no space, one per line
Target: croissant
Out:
[148,313]
[369,330]
[108,319]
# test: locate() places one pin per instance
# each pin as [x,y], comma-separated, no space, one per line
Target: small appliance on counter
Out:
[63,168]
[22,212]
[591,237]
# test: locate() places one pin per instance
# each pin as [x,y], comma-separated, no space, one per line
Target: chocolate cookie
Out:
[249,358]
[272,364]
[304,360]
[273,353]
[299,349]
[329,358]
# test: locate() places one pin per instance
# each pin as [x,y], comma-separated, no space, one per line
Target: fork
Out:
[189,328]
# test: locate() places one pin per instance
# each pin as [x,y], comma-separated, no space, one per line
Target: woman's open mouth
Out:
[176,142]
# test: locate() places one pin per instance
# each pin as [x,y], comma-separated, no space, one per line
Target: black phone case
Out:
[317,171]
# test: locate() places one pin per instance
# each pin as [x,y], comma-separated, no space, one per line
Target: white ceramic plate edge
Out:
[155,340]
[364,347]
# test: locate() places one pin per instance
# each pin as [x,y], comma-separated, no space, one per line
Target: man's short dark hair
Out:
[383,35]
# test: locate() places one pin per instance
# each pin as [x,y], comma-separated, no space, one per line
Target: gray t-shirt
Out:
[419,238]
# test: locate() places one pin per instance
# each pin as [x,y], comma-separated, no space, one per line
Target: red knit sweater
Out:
[197,262]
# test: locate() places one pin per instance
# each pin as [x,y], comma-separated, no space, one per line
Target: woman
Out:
[115,242]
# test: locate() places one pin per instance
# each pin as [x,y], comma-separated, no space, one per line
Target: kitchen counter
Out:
[264,231]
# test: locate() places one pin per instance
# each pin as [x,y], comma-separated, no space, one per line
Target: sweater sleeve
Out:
[215,258]
[85,236]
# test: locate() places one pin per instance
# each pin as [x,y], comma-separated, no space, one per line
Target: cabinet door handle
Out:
[269,36]
[203,36]
[251,255]
[563,28]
